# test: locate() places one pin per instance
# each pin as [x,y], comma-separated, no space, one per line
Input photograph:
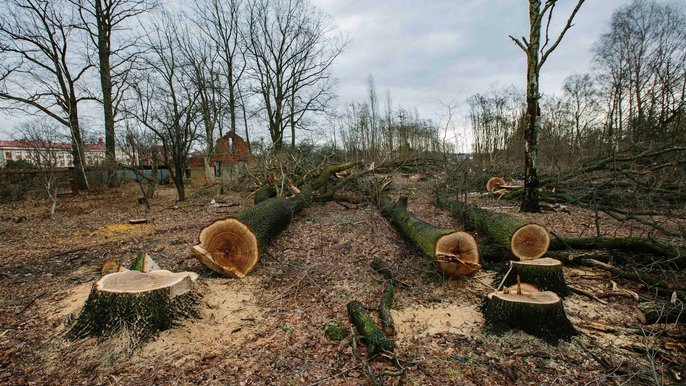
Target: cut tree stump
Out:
[232,246]
[544,273]
[661,312]
[524,307]
[377,342]
[524,240]
[136,306]
[455,253]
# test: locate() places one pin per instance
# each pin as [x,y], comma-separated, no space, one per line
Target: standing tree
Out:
[100,19]
[290,48]
[40,71]
[536,55]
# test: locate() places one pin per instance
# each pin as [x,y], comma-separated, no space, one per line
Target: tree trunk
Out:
[524,240]
[544,273]
[523,307]
[455,253]
[631,244]
[136,306]
[231,246]
[106,86]
[375,339]
[264,193]
[661,312]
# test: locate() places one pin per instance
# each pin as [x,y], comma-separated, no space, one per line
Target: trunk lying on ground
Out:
[544,273]
[661,312]
[456,253]
[524,240]
[136,305]
[377,342]
[232,246]
[524,307]
[264,193]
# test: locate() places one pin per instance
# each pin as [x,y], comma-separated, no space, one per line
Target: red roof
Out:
[22,143]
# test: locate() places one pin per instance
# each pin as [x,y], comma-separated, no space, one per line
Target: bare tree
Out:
[101,19]
[536,55]
[582,97]
[290,48]
[41,70]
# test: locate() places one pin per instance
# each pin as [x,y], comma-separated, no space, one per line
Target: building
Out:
[26,150]
[228,150]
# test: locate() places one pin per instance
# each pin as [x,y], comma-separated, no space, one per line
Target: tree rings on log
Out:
[457,254]
[530,241]
[524,307]
[228,247]
[544,273]
[494,182]
[136,306]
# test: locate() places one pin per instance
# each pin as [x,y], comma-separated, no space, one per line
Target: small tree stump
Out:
[544,273]
[136,305]
[524,307]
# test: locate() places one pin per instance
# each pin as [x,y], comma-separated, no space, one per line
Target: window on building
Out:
[217,168]
[8,155]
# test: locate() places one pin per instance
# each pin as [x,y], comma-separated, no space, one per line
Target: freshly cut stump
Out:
[544,273]
[136,305]
[524,307]
[494,182]
[455,253]
[524,240]
[661,312]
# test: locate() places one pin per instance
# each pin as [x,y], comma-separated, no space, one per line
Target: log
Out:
[661,312]
[136,306]
[232,246]
[377,342]
[633,244]
[385,304]
[264,193]
[455,253]
[524,307]
[524,240]
[494,183]
[544,273]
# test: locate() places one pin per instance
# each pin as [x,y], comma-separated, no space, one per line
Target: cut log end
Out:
[494,182]
[530,241]
[457,254]
[133,282]
[228,247]
[524,307]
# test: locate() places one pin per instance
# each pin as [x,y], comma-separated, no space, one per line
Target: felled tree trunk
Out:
[136,305]
[661,312]
[493,183]
[264,193]
[524,240]
[232,246]
[455,253]
[544,273]
[524,307]
[377,342]
[633,244]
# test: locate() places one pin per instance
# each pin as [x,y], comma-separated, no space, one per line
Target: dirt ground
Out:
[266,329]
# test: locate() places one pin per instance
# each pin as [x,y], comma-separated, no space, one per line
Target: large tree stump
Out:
[661,312]
[136,305]
[524,307]
[455,253]
[524,240]
[377,342]
[232,246]
[544,273]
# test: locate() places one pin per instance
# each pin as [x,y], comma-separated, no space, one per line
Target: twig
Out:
[31,302]
[579,291]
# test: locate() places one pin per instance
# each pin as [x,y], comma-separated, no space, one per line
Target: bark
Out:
[632,244]
[374,338]
[264,193]
[544,273]
[661,312]
[136,306]
[537,313]
[232,246]
[455,253]
[524,240]
[385,304]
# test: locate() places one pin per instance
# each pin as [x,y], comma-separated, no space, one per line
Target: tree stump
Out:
[661,312]
[524,307]
[544,273]
[136,305]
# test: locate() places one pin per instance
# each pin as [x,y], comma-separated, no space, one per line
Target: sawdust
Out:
[441,318]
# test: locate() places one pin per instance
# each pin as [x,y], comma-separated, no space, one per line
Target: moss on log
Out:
[523,307]
[264,193]
[524,240]
[136,306]
[544,273]
[661,312]
[377,342]
[455,253]
[385,304]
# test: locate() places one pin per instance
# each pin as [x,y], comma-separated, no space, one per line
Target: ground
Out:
[267,328]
